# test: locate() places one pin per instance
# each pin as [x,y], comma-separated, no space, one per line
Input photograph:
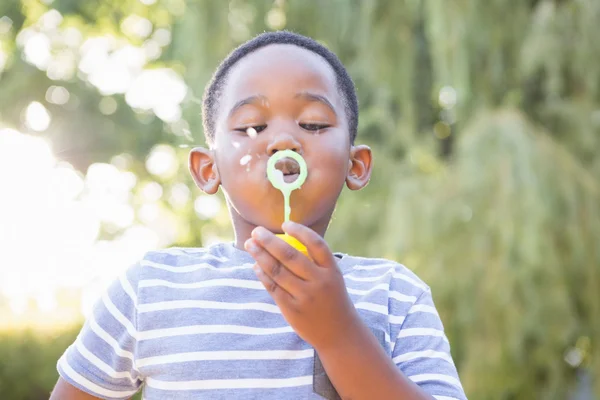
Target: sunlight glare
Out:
[37,117]
[207,207]
[37,50]
[94,53]
[50,20]
[161,90]
[72,37]
[62,66]
[118,71]
[46,300]
[180,195]
[51,224]
[152,192]
[136,26]
[18,305]
[162,161]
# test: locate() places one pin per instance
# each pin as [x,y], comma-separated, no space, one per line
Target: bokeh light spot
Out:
[207,207]
[37,117]
[57,95]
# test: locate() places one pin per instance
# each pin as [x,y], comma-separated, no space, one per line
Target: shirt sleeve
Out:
[101,361]
[422,351]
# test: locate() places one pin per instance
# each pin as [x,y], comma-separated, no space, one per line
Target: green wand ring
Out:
[276,177]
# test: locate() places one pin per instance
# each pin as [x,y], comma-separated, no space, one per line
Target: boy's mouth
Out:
[290,169]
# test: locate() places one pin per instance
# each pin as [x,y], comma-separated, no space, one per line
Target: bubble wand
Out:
[286,188]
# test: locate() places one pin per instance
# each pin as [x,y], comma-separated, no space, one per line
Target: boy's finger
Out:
[289,257]
[281,297]
[317,247]
[277,272]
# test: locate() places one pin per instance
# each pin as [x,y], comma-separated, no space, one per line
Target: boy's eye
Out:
[257,128]
[314,127]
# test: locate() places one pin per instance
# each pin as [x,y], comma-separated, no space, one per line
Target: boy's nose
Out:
[284,141]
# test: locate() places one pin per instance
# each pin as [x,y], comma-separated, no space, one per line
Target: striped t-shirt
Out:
[198,324]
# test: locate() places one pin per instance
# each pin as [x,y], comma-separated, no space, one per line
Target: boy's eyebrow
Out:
[257,98]
[316,97]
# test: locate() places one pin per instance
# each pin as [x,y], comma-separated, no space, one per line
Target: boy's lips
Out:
[288,166]
[290,178]
[290,169]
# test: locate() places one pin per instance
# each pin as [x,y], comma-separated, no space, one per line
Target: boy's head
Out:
[280,91]
[213,91]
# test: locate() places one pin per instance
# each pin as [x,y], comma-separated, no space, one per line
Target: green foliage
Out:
[512,265]
[29,357]
[28,367]
[501,217]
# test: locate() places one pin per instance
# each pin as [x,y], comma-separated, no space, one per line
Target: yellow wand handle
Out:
[295,243]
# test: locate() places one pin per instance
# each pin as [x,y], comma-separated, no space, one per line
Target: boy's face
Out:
[289,96]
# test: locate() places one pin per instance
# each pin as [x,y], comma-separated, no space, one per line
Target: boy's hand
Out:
[312,295]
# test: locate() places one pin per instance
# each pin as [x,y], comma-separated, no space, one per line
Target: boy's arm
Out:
[359,368]
[100,364]
[65,391]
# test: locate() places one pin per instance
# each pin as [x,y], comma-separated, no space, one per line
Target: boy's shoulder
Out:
[186,264]
[184,256]
[371,268]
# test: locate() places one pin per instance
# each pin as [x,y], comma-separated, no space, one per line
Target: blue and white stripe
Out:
[196,323]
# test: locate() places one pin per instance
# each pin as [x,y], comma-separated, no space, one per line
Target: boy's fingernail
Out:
[250,246]
[287,225]
[260,233]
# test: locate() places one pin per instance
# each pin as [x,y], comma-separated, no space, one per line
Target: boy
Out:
[256,319]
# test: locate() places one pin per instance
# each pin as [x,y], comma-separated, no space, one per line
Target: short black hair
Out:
[212,93]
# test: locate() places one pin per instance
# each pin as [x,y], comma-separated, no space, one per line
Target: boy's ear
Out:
[359,167]
[204,170]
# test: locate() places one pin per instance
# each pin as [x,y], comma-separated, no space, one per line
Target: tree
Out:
[483,116]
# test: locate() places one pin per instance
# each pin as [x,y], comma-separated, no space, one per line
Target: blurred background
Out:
[484,118]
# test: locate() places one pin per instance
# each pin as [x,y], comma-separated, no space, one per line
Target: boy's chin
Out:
[274,223]
[274,226]
[272,220]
